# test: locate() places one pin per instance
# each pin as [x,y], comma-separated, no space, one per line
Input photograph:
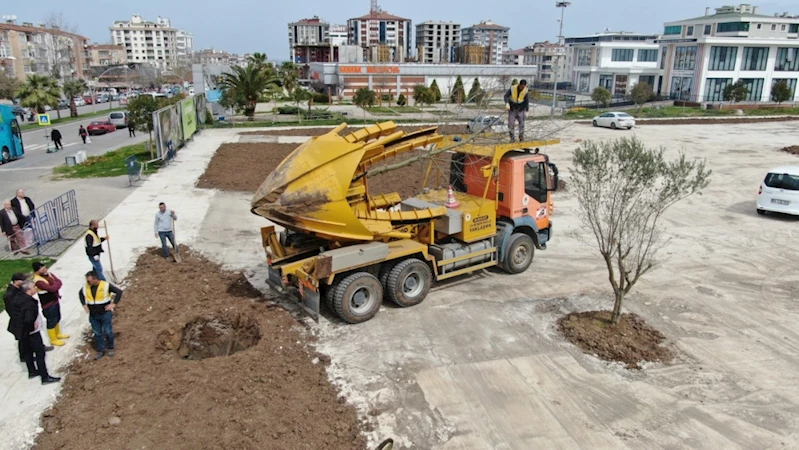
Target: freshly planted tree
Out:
[436,91]
[39,91]
[364,98]
[74,88]
[242,88]
[623,189]
[423,95]
[140,111]
[601,96]
[458,92]
[641,93]
[781,92]
[401,100]
[300,95]
[736,92]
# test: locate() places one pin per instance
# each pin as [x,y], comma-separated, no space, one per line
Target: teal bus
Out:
[10,135]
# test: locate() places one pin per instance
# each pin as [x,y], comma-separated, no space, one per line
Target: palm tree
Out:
[244,86]
[74,88]
[39,91]
[259,59]
[288,76]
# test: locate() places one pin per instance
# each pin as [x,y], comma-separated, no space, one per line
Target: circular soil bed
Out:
[630,342]
[208,337]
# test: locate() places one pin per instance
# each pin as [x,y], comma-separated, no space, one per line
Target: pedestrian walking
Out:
[163,227]
[131,128]
[27,326]
[23,206]
[94,247]
[82,133]
[11,225]
[8,298]
[55,135]
[517,103]
[99,298]
[48,286]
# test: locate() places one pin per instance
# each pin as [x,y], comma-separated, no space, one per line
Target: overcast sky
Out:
[243,26]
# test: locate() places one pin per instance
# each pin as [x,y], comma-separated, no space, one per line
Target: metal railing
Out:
[53,217]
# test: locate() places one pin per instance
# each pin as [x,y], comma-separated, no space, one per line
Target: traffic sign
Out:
[44,119]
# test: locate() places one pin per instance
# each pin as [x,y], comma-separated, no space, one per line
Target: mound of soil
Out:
[794,149]
[444,129]
[630,342]
[202,362]
[243,167]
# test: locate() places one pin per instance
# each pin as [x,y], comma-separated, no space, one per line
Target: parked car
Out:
[63,104]
[480,123]
[100,127]
[88,99]
[79,101]
[20,111]
[614,120]
[119,119]
[779,191]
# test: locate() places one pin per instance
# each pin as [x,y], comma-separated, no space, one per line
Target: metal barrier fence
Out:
[54,216]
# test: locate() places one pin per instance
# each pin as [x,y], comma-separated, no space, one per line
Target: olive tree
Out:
[641,94]
[623,189]
[781,92]
[602,96]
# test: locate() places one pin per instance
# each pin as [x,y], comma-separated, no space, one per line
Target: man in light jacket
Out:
[163,227]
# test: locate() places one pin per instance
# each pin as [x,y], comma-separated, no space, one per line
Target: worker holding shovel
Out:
[164,229]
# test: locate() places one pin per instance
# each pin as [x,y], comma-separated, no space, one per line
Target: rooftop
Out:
[29,28]
[736,13]
[489,25]
[315,20]
[380,15]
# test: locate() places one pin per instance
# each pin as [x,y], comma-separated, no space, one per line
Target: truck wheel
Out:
[520,253]
[330,293]
[5,156]
[358,297]
[385,271]
[409,282]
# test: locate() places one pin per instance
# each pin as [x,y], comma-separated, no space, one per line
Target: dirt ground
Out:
[171,384]
[244,166]
[445,129]
[630,342]
[793,149]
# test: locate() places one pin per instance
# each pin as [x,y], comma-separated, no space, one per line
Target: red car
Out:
[88,99]
[100,128]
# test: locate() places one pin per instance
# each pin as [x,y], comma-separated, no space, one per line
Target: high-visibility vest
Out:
[37,278]
[101,297]
[517,96]
[96,242]
[45,298]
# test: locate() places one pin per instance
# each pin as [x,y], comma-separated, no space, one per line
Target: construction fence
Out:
[48,223]
[176,124]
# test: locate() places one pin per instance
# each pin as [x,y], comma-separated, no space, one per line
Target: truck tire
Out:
[519,255]
[385,270]
[5,156]
[358,297]
[330,293]
[409,282]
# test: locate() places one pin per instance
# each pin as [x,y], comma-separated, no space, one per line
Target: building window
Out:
[773,27]
[647,55]
[755,87]
[794,28]
[782,27]
[663,52]
[681,88]
[759,26]
[685,58]
[755,58]
[676,29]
[791,82]
[732,27]
[622,54]
[621,85]
[690,31]
[584,57]
[723,58]
[708,29]
[714,88]
[787,60]
[606,81]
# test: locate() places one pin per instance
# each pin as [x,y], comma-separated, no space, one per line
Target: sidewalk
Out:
[131,225]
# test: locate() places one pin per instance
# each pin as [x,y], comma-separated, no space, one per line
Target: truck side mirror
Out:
[554,178]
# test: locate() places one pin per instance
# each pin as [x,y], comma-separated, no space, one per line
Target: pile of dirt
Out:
[443,129]
[243,167]
[202,361]
[793,149]
[629,342]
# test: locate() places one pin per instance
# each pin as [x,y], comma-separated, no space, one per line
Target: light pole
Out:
[110,102]
[561,42]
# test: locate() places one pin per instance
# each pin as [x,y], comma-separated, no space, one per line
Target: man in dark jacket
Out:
[131,128]
[23,206]
[11,225]
[8,298]
[517,102]
[99,299]
[55,135]
[27,327]
[94,247]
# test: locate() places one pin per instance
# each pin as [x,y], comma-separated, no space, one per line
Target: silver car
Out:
[480,123]
[119,119]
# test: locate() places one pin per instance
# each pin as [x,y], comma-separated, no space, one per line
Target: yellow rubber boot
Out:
[59,334]
[54,339]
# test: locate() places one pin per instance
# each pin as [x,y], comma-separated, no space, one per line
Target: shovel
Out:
[110,259]
[176,249]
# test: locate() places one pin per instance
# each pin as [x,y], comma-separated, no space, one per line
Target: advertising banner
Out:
[168,125]
[200,108]
[188,117]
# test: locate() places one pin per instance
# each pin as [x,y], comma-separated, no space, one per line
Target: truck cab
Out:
[11,146]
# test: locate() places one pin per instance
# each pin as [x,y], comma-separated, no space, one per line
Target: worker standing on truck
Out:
[517,103]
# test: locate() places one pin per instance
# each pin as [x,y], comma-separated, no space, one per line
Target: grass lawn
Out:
[8,268]
[66,118]
[111,164]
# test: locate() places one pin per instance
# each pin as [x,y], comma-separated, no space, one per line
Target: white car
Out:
[779,191]
[79,101]
[614,120]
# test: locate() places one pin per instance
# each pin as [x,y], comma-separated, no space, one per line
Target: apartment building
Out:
[513,58]
[550,59]
[27,49]
[616,61]
[703,55]
[382,36]
[184,46]
[213,57]
[101,55]
[437,42]
[305,34]
[338,35]
[154,43]
[489,35]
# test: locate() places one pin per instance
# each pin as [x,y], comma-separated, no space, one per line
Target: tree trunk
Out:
[616,315]
[73,108]
[58,112]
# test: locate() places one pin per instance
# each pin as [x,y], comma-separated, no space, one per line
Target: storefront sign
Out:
[350,69]
[382,69]
[673,41]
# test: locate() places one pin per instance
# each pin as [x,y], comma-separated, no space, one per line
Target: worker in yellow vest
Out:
[94,247]
[99,298]
[47,287]
[517,102]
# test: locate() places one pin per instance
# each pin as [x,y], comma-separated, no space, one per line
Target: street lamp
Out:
[111,103]
[561,42]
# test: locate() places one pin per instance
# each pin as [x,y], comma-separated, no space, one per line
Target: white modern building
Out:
[491,36]
[146,42]
[616,61]
[338,35]
[550,59]
[701,56]
[436,41]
